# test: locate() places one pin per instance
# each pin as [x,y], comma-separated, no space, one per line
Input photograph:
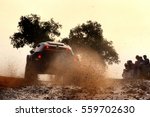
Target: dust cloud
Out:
[89,72]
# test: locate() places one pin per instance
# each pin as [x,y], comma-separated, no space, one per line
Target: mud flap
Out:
[30,72]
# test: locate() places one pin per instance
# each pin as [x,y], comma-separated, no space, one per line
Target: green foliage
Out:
[89,35]
[32,31]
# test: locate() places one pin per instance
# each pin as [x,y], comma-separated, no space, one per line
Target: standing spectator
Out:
[137,67]
[146,60]
[129,70]
[146,67]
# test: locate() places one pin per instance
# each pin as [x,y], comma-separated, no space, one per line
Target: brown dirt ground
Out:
[112,89]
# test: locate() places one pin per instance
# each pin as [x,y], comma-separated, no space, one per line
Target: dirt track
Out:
[14,88]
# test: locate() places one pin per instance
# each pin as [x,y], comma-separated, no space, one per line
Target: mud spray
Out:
[88,74]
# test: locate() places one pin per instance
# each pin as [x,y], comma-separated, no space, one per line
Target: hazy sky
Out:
[125,22]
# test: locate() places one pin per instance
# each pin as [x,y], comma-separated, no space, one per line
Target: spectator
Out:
[146,60]
[146,67]
[139,69]
[137,66]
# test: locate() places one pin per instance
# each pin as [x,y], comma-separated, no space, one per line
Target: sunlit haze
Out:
[125,22]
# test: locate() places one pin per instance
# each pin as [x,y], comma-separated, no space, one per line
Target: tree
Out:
[32,31]
[89,35]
